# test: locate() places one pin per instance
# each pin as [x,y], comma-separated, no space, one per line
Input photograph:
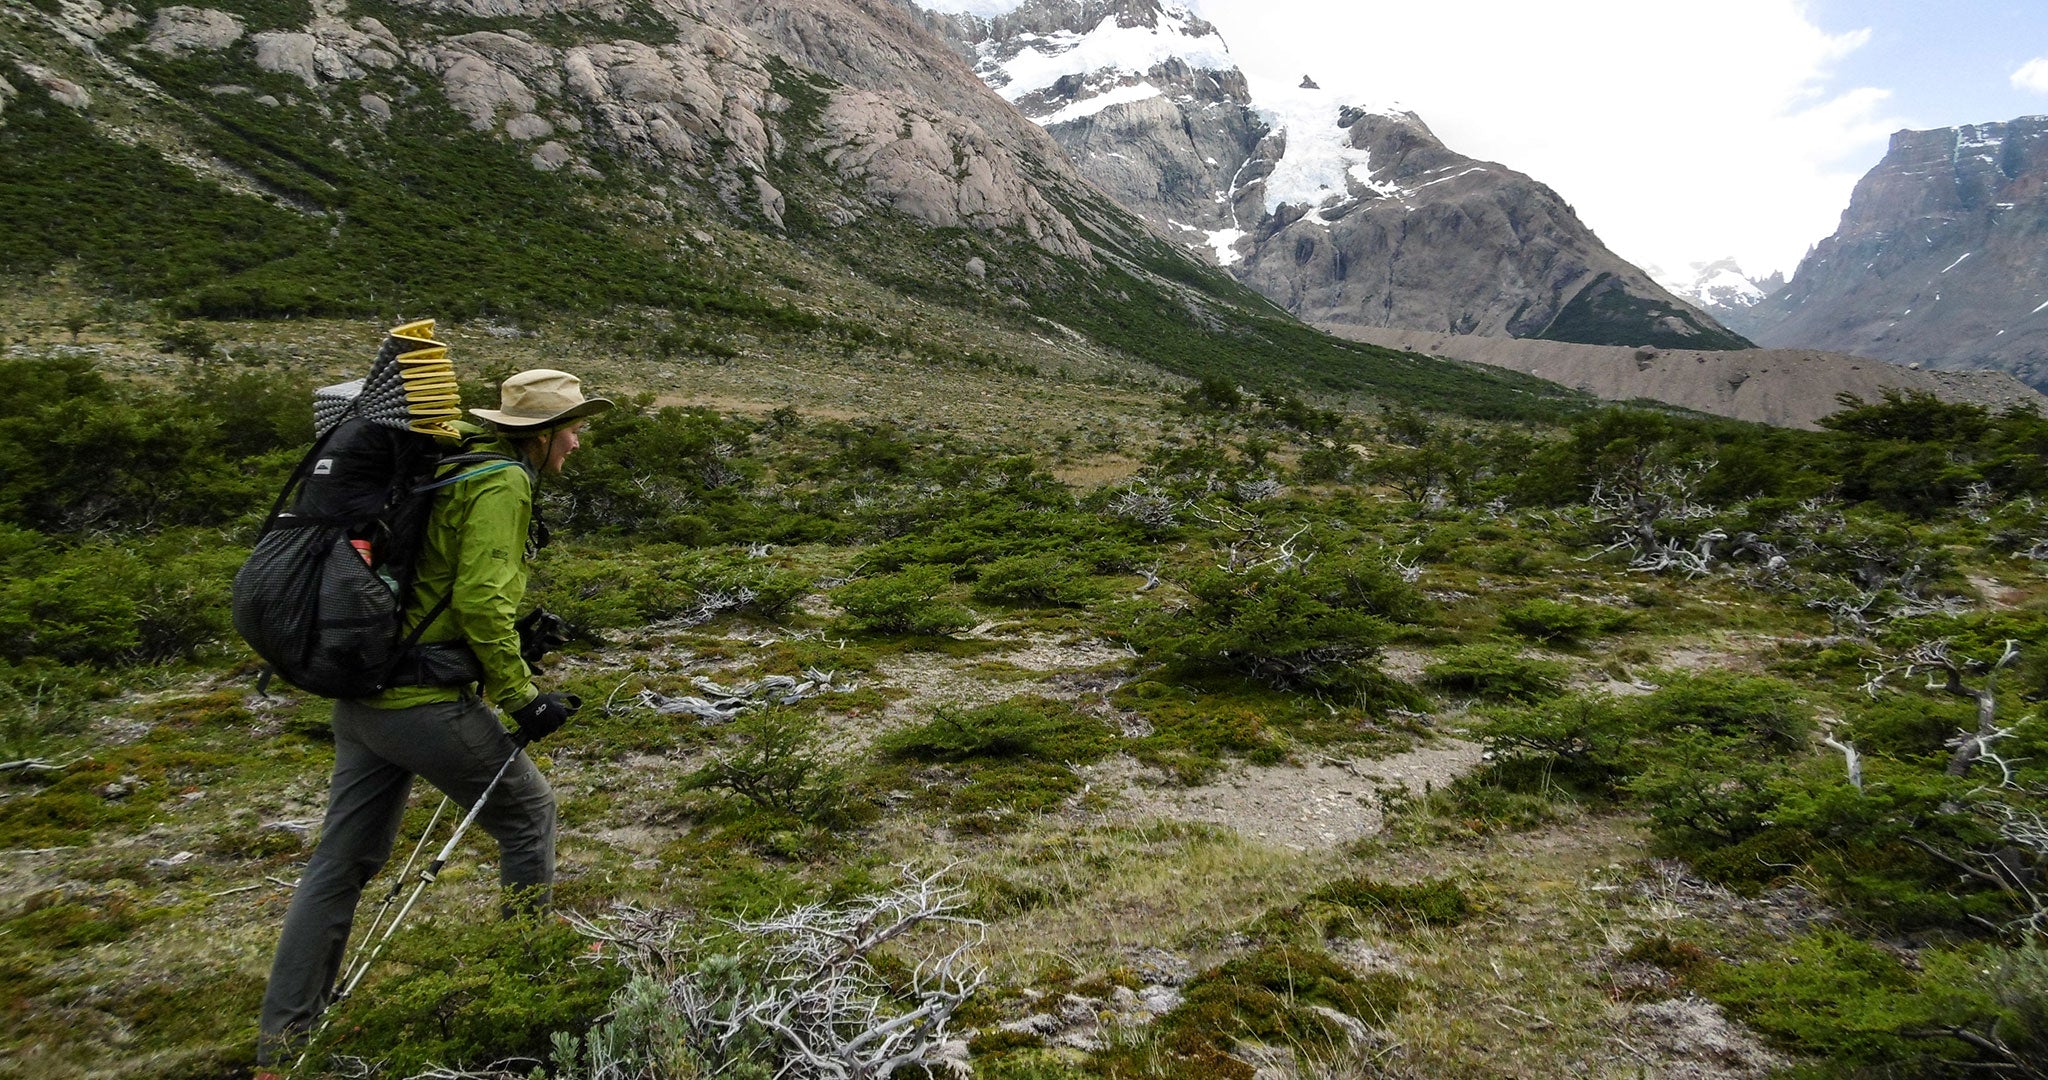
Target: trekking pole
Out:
[427,877]
[432,870]
[391,897]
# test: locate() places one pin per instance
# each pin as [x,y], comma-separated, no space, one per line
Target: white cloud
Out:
[1681,131]
[2032,75]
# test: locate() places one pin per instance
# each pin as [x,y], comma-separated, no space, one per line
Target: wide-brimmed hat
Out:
[541,398]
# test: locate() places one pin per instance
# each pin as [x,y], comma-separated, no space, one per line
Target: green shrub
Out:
[1830,995]
[779,767]
[1703,790]
[1492,800]
[906,602]
[1496,672]
[1305,626]
[1724,703]
[1341,905]
[1022,727]
[1036,581]
[1326,464]
[80,453]
[107,603]
[1009,758]
[1550,621]
[1266,996]
[1582,740]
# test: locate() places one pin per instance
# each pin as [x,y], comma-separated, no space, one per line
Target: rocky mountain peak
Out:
[1937,259]
[1316,200]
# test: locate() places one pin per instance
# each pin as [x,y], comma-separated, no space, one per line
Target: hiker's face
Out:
[560,445]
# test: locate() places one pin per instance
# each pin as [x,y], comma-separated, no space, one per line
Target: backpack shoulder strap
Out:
[298,477]
[490,463]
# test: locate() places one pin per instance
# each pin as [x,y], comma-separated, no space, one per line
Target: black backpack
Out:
[321,597]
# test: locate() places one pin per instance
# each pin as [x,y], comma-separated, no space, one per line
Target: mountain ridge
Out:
[255,160]
[1306,195]
[1938,258]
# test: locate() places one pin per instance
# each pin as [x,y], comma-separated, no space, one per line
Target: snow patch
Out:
[1223,241]
[1087,107]
[2037,310]
[1958,262]
[1319,162]
[1720,283]
[1132,50]
[1453,176]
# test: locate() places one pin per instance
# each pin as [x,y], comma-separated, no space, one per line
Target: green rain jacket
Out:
[476,545]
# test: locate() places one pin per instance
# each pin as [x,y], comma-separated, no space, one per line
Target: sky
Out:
[1681,131]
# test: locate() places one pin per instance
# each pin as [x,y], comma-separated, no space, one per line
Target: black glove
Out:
[543,716]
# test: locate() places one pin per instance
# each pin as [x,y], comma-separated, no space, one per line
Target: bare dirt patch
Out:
[1047,653]
[1300,807]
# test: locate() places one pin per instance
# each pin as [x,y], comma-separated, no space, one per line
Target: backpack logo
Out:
[323,467]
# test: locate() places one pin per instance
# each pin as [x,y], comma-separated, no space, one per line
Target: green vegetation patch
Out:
[1343,907]
[1268,996]
[1496,673]
[992,762]
[1605,313]
[464,991]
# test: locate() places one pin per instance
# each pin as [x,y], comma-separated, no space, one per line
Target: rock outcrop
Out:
[693,89]
[1143,97]
[1384,226]
[1939,258]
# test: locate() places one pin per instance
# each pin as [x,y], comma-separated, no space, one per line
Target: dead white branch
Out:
[1851,759]
[39,765]
[1935,658]
[803,982]
[722,703]
[1639,508]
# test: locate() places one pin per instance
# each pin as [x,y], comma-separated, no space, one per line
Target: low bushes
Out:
[1307,625]
[1036,581]
[1496,672]
[1015,756]
[910,601]
[473,991]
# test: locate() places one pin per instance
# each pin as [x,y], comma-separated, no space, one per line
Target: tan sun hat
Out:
[539,398]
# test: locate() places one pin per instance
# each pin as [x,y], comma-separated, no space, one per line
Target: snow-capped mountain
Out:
[1342,212]
[1721,289]
[1144,96]
[1719,283]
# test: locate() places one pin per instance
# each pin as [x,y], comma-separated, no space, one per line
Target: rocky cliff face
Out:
[1366,219]
[1342,215]
[1144,98]
[708,92]
[1940,258]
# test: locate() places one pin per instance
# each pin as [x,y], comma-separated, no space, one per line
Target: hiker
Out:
[480,536]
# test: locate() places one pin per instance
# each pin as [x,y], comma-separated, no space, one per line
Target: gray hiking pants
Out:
[458,746]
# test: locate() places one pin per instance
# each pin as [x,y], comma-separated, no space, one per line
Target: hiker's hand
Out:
[544,715]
